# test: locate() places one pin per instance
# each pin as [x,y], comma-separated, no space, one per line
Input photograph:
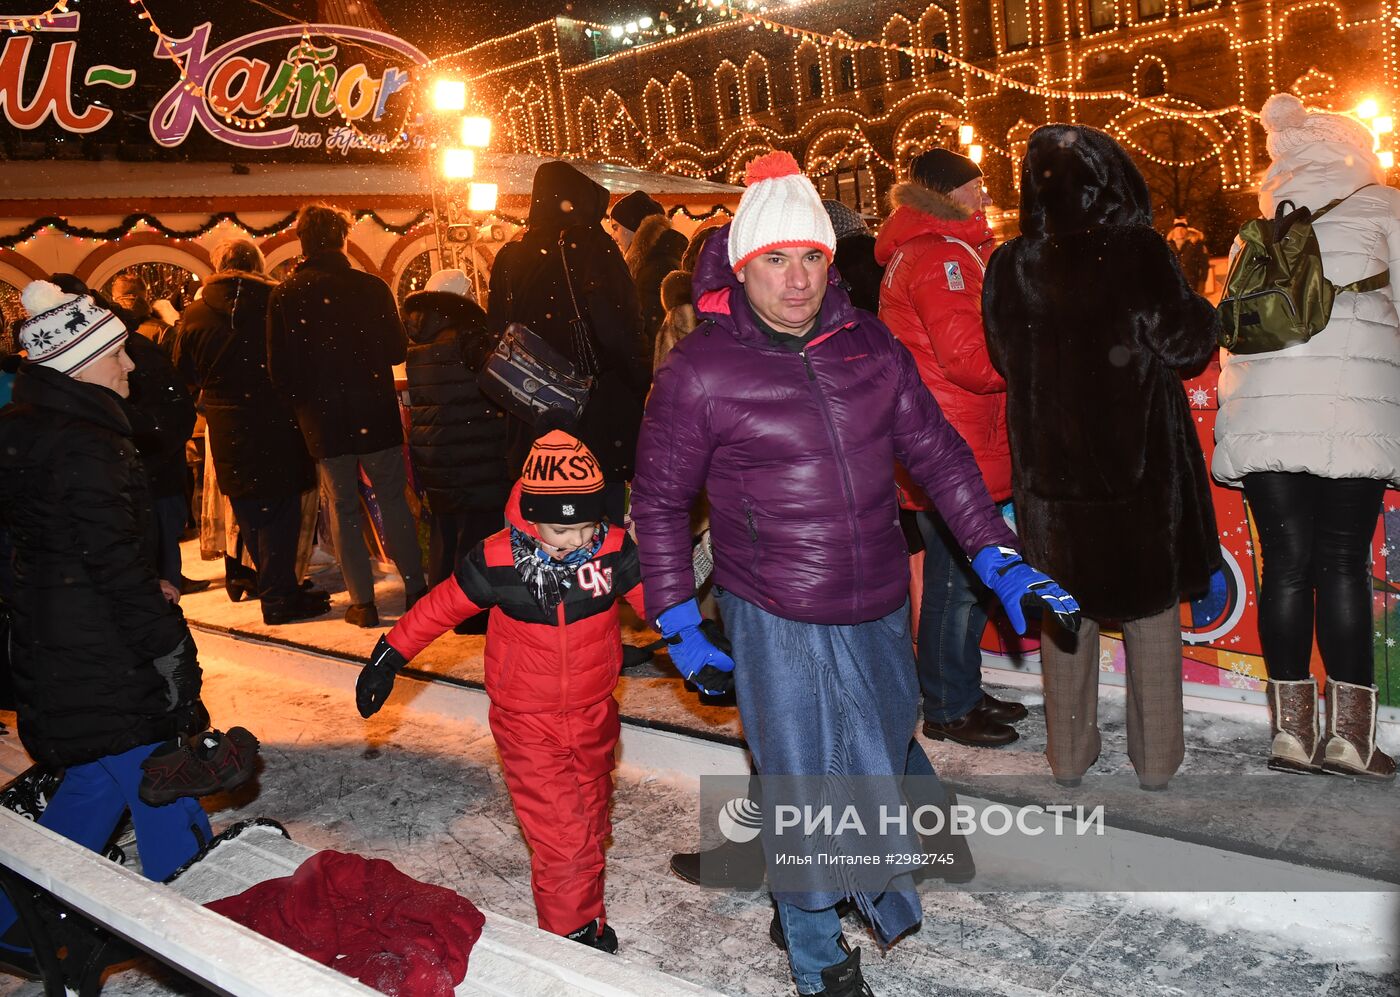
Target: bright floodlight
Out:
[615,31]
[1383,126]
[1367,109]
[476,132]
[449,95]
[481,197]
[1387,159]
[458,164]
[644,23]
[966,134]
[630,27]
[974,153]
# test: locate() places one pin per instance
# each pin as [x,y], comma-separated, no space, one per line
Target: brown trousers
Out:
[1070,666]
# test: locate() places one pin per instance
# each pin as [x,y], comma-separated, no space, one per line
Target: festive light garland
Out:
[715,210]
[125,227]
[33,22]
[846,43]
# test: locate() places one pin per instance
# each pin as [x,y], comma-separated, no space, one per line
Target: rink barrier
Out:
[171,923]
[1331,912]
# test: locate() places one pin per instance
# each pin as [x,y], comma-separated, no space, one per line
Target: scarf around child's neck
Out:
[547,578]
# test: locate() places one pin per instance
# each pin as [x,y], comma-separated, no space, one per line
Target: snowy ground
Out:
[1223,794]
[424,791]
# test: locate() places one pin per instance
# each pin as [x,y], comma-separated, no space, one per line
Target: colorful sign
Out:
[290,86]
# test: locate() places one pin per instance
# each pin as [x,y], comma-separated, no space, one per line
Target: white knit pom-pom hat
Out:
[66,331]
[1289,126]
[780,209]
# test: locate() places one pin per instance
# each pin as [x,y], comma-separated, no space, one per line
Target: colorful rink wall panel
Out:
[1220,636]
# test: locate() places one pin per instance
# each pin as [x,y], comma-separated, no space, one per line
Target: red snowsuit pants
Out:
[558,768]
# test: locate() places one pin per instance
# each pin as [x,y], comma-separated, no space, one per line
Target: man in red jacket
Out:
[935,247]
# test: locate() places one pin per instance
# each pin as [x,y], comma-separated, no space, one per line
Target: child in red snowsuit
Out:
[551,580]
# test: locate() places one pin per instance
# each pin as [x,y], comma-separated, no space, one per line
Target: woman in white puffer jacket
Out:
[1312,433]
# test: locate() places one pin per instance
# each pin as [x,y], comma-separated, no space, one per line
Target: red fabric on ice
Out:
[558,768]
[366,919]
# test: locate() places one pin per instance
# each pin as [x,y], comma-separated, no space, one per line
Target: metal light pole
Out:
[463,206]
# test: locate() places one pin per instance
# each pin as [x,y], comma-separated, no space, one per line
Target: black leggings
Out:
[1315,538]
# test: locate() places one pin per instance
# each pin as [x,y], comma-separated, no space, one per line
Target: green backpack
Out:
[1276,295]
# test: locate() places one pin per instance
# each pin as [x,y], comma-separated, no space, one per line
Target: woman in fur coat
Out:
[1312,433]
[1092,325]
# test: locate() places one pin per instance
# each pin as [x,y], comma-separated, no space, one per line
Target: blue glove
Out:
[694,656]
[1019,586]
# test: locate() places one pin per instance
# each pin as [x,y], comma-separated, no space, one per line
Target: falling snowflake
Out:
[1390,642]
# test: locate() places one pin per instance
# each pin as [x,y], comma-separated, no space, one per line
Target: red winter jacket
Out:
[931,299]
[535,662]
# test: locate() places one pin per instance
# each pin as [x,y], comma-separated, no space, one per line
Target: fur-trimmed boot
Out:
[1293,723]
[1351,734]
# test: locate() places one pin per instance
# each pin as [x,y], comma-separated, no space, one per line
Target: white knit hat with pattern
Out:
[780,209]
[66,331]
[1289,126]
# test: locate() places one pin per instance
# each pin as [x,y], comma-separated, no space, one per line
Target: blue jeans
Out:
[813,936]
[813,942]
[91,800]
[951,621]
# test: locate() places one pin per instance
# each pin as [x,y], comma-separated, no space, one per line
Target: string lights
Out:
[141,219]
[35,22]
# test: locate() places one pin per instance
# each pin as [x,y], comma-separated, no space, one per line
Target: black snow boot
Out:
[726,866]
[303,605]
[603,941]
[844,979]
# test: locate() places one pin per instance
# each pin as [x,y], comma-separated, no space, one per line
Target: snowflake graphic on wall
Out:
[1200,397]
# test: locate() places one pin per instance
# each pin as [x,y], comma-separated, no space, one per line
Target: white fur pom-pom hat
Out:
[1289,126]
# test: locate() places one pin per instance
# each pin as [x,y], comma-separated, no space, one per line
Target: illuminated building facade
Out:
[853,89]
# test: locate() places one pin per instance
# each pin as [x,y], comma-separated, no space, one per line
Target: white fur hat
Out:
[451,282]
[66,331]
[1290,126]
[780,209]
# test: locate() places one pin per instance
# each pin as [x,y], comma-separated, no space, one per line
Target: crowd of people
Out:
[806,398]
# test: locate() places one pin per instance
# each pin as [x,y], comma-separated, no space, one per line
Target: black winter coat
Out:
[162,415]
[528,285]
[221,349]
[855,262]
[333,337]
[1092,325]
[656,250]
[88,615]
[457,436]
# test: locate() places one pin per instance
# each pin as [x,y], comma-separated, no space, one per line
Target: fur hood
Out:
[426,313]
[925,201]
[916,211]
[676,290]
[650,234]
[1076,178]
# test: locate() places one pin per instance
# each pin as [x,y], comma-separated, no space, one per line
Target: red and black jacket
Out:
[536,662]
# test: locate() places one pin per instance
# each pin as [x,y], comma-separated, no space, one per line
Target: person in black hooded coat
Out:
[1092,324]
[456,436]
[105,669]
[530,285]
[260,458]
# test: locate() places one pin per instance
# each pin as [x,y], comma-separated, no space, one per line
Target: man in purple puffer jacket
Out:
[790,408]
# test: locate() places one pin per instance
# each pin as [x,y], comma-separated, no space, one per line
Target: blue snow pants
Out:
[91,800]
